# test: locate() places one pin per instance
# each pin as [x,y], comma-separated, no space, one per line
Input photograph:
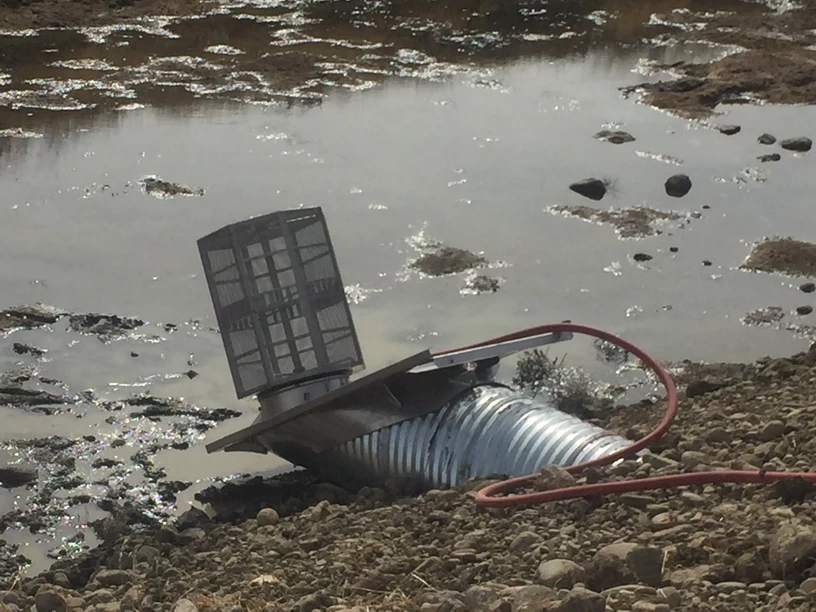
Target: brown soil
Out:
[24,14]
[786,255]
[634,222]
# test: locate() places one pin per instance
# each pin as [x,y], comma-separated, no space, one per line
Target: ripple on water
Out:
[84,64]
[223,50]
[151,26]
[19,133]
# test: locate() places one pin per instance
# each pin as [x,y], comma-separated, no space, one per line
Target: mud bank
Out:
[291,543]
[768,57]
[29,14]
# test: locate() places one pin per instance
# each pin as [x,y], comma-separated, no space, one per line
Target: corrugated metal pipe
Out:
[491,429]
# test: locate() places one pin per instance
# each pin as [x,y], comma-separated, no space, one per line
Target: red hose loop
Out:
[487,497]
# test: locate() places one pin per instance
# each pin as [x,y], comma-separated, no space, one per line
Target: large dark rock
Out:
[800,144]
[13,476]
[678,185]
[592,188]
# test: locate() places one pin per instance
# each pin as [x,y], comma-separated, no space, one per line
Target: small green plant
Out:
[571,390]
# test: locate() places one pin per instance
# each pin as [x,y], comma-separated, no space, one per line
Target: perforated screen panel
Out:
[279,300]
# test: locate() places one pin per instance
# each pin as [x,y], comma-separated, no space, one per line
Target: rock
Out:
[635,501]
[530,598]
[560,573]
[27,349]
[804,310]
[167,535]
[772,431]
[100,596]
[133,597]
[640,257]
[648,606]
[553,477]
[807,287]
[766,139]
[194,518]
[501,605]
[691,459]
[146,554]
[49,600]
[792,550]
[680,577]
[750,567]
[672,596]
[625,563]
[193,534]
[800,144]
[617,137]
[525,541]
[185,605]
[771,157]
[729,130]
[581,600]
[13,476]
[267,516]
[479,598]
[75,603]
[61,580]
[808,585]
[592,188]
[696,388]
[114,577]
[718,435]
[678,185]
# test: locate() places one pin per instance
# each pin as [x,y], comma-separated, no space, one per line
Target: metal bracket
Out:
[491,353]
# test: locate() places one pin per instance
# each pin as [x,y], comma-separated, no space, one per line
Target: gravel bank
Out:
[293,544]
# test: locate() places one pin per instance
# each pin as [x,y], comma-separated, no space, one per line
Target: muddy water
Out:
[471,155]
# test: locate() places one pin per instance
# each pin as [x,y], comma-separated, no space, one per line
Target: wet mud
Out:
[786,256]
[260,52]
[64,484]
[769,57]
[446,260]
[162,189]
[628,222]
[30,14]
[751,76]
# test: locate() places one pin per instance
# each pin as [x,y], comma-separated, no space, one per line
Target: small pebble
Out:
[766,139]
[707,263]
[807,287]
[642,257]
[729,130]
[673,249]
[804,310]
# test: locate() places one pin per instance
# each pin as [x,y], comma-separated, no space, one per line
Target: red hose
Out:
[487,496]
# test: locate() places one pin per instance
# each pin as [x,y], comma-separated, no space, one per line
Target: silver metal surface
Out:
[385,398]
[279,300]
[489,430]
[279,402]
[492,351]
